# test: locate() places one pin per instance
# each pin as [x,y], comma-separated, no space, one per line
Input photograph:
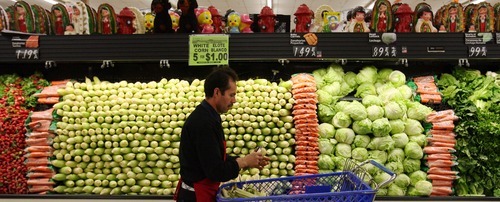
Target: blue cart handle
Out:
[383,168]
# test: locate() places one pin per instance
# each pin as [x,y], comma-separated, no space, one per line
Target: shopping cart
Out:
[349,185]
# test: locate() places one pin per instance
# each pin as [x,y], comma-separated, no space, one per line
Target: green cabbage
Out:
[350,79]
[400,140]
[361,141]
[395,166]
[413,151]
[382,192]
[424,188]
[345,135]
[396,155]
[395,190]
[325,162]
[402,180]
[360,154]
[375,112]
[381,127]
[367,75]
[413,127]
[371,169]
[362,127]
[405,91]
[333,89]
[325,113]
[365,89]
[421,140]
[356,111]
[383,74]
[418,111]
[372,100]
[334,73]
[325,146]
[397,78]
[379,156]
[394,110]
[340,106]
[341,120]
[339,161]
[411,165]
[382,177]
[324,97]
[417,176]
[383,87]
[381,143]
[343,149]
[318,77]
[397,126]
[326,130]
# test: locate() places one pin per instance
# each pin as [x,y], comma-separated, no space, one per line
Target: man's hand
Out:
[253,160]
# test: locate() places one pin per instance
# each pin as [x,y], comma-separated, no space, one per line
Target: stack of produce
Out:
[261,118]
[427,90]
[49,94]
[306,124]
[39,140]
[475,98]
[15,101]
[439,158]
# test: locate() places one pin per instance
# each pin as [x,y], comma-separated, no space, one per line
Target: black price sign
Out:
[384,52]
[305,52]
[27,54]
[477,51]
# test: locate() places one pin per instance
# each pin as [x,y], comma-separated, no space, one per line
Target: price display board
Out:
[210,49]
[384,52]
[305,52]
[478,51]
[27,54]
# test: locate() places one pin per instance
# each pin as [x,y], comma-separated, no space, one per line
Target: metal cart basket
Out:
[349,185]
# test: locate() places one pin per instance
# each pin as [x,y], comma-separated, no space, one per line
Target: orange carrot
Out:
[38,154]
[446,156]
[430,98]
[41,169]
[441,171]
[39,149]
[429,79]
[442,177]
[48,100]
[441,163]
[40,181]
[40,175]
[443,125]
[307,158]
[41,189]
[442,144]
[437,150]
[306,153]
[447,183]
[38,142]
[449,140]
[441,190]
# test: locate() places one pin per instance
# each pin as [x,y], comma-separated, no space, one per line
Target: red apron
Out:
[206,189]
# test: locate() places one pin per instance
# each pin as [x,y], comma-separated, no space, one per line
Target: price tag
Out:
[27,54]
[210,49]
[477,51]
[305,52]
[384,52]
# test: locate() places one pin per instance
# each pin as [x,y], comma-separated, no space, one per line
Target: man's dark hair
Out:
[219,78]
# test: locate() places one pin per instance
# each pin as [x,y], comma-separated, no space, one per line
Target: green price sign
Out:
[210,49]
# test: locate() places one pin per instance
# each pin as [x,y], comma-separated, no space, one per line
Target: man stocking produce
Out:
[204,162]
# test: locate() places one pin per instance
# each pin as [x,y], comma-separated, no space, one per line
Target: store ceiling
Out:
[286,7]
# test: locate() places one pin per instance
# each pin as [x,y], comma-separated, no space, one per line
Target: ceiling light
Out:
[269,3]
[51,2]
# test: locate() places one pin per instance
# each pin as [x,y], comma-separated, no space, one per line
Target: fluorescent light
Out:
[269,3]
[51,2]
[477,1]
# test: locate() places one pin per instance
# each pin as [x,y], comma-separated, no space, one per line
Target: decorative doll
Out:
[497,16]
[76,20]
[217,20]
[138,22]
[107,19]
[424,18]
[48,23]
[149,20]
[453,19]
[4,21]
[40,16]
[348,20]
[163,22]
[439,18]
[267,20]
[396,5]
[233,22]
[175,19]
[468,11]
[24,21]
[60,18]
[126,19]
[70,30]
[483,18]
[403,19]
[381,16]
[188,22]
[93,25]
[245,24]
[83,19]
[358,23]
[10,11]
[204,20]
[321,22]
[303,19]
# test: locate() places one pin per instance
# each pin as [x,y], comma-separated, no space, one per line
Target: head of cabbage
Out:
[343,150]
[400,140]
[382,143]
[395,110]
[356,111]
[375,112]
[417,176]
[396,155]
[362,127]
[381,127]
[345,135]
[326,130]
[341,120]
[325,113]
[361,141]
[325,162]
[411,165]
[402,180]
[413,151]
[360,154]
[326,147]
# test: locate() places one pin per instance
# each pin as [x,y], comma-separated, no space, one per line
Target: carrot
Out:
[49,91]
[310,122]
[305,95]
[38,142]
[40,135]
[306,138]
[442,177]
[40,125]
[303,85]
[307,158]
[450,140]
[306,162]
[307,170]
[305,116]
[40,188]
[430,98]
[39,149]
[310,101]
[44,115]
[306,153]
[447,183]
[443,125]
[303,111]
[437,150]
[441,163]
[424,79]
[40,175]
[304,90]
[305,106]
[40,181]
[446,156]
[303,78]
[38,154]
[441,190]
[60,82]
[441,171]
[304,148]
[312,132]
[446,115]
[442,144]
[41,169]
[48,100]
[33,162]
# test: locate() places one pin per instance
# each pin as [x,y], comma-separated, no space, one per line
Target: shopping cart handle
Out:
[381,167]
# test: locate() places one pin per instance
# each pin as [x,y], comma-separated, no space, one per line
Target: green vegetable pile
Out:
[384,126]
[475,97]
